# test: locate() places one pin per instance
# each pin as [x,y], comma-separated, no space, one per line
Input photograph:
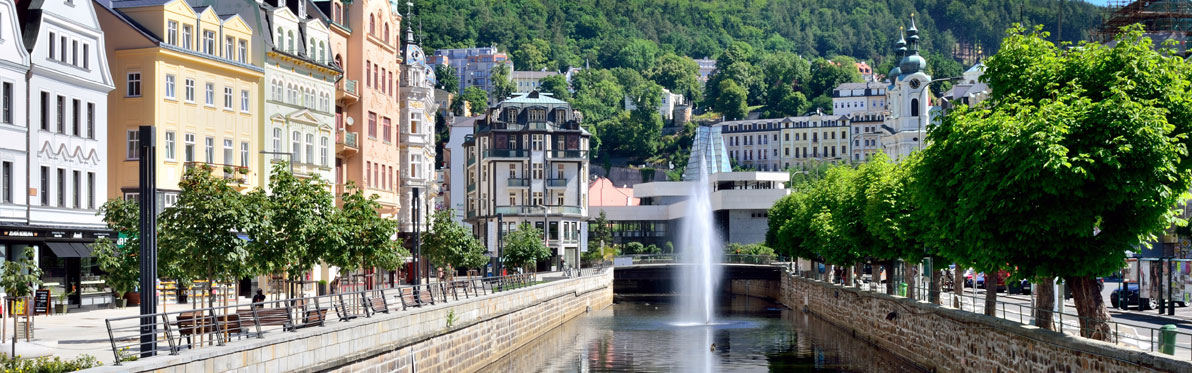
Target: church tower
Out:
[908,99]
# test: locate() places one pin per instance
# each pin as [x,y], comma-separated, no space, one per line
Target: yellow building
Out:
[188,71]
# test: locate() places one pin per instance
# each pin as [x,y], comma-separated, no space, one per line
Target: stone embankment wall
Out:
[482,331]
[946,339]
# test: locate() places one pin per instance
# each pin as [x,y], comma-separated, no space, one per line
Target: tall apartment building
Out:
[187,71]
[364,41]
[528,163]
[781,143]
[753,144]
[909,103]
[417,129]
[473,66]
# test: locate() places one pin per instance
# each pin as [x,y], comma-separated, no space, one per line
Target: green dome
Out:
[912,64]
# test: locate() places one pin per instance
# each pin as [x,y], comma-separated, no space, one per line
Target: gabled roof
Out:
[602,192]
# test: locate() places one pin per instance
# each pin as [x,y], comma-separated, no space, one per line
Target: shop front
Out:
[65,257]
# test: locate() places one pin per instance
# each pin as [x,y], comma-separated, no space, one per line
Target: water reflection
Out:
[752,336]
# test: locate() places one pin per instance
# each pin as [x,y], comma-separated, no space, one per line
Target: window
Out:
[296,147]
[61,187]
[190,90]
[291,40]
[61,114]
[243,55]
[86,56]
[538,198]
[170,147]
[537,168]
[243,154]
[187,36]
[91,120]
[277,139]
[559,172]
[74,52]
[76,114]
[323,141]
[7,182]
[172,33]
[368,74]
[133,88]
[413,125]
[45,111]
[169,86]
[209,42]
[134,145]
[513,171]
[513,199]
[45,186]
[62,45]
[91,190]
[210,94]
[229,45]
[310,149]
[228,98]
[244,100]
[7,92]
[368,174]
[209,145]
[189,152]
[76,182]
[415,160]
[228,157]
[53,40]
[914,107]
[372,125]
[387,129]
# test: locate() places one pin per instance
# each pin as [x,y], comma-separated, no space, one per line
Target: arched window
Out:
[310,48]
[914,107]
[339,61]
[384,84]
[322,52]
[291,36]
[368,74]
[281,38]
[296,148]
[386,39]
[372,25]
[310,149]
[277,139]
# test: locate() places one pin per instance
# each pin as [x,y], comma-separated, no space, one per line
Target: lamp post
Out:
[417,242]
[497,265]
[148,202]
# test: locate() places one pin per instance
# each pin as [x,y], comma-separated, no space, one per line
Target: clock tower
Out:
[908,99]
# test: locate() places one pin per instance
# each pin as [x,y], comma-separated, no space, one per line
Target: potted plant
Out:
[322,287]
[122,268]
[243,170]
[228,170]
[61,307]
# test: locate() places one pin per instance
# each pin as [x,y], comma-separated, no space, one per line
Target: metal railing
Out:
[348,86]
[178,331]
[569,154]
[506,153]
[348,139]
[554,183]
[1143,337]
[519,182]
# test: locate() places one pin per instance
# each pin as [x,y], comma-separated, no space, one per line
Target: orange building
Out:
[365,42]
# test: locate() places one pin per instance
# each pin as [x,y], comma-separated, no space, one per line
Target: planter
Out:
[60,308]
[121,302]
[133,298]
[322,289]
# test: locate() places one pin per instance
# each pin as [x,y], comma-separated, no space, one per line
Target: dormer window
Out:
[537,115]
[510,115]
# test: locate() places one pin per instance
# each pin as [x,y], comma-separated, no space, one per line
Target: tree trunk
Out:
[1044,303]
[958,287]
[990,293]
[848,277]
[858,273]
[1094,317]
[888,273]
[934,291]
[910,272]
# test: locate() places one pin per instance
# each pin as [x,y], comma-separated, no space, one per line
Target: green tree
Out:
[678,74]
[476,98]
[826,75]
[368,238]
[120,263]
[20,276]
[556,85]
[446,78]
[449,243]
[637,54]
[524,247]
[532,55]
[198,236]
[293,226]
[502,83]
[731,100]
[1087,149]
[891,217]
[601,231]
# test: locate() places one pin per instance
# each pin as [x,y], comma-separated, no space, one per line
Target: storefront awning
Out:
[63,249]
[84,249]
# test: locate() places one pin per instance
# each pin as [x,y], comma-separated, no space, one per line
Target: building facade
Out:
[458,163]
[528,163]
[850,98]
[14,149]
[782,143]
[526,81]
[188,72]
[418,108]
[908,98]
[473,66]
[666,104]
[867,133]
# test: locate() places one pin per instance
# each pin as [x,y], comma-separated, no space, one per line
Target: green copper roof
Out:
[535,97]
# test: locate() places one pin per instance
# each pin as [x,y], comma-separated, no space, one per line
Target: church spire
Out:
[913,36]
[409,18]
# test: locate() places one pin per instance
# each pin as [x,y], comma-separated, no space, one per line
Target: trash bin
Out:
[902,289]
[1167,339]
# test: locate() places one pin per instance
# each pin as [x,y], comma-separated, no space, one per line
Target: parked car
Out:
[1120,299]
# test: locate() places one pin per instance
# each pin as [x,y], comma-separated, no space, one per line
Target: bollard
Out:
[1167,339]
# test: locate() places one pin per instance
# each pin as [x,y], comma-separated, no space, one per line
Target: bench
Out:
[406,294]
[313,317]
[195,323]
[274,317]
[343,311]
[377,304]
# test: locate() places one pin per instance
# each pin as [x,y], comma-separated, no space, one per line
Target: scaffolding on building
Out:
[1158,17]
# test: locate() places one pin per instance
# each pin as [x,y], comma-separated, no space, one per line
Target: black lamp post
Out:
[500,242]
[148,201]
[417,240]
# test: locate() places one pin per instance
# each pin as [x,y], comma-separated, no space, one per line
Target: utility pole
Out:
[148,201]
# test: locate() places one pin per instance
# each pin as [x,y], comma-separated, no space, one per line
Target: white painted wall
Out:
[14,63]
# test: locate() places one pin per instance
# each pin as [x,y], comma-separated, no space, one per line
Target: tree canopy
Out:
[524,247]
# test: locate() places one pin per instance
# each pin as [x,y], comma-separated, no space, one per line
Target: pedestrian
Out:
[260,297]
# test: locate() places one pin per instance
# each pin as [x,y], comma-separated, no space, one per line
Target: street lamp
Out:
[417,241]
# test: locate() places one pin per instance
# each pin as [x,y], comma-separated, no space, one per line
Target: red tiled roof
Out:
[602,192]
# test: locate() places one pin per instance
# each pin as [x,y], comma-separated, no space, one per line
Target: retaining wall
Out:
[947,339]
[482,330]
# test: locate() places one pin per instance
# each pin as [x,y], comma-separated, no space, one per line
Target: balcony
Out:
[569,154]
[471,160]
[231,173]
[531,210]
[346,143]
[556,183]
[506,153]
[471,188]
[345,91]
[519,182]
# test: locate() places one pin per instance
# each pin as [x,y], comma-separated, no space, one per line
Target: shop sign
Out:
[20,234]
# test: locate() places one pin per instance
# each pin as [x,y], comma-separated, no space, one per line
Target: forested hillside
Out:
[560,33]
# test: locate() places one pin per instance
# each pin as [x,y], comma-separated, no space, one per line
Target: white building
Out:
[530,166]
[908,99]
[457,161]
[849,98]
[707,66]
[68,87]
[300,76]
[417,129]
[783,143]
[14,200]
[666,106]
[526,81]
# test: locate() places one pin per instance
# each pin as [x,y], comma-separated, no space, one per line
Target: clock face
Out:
[915,83]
